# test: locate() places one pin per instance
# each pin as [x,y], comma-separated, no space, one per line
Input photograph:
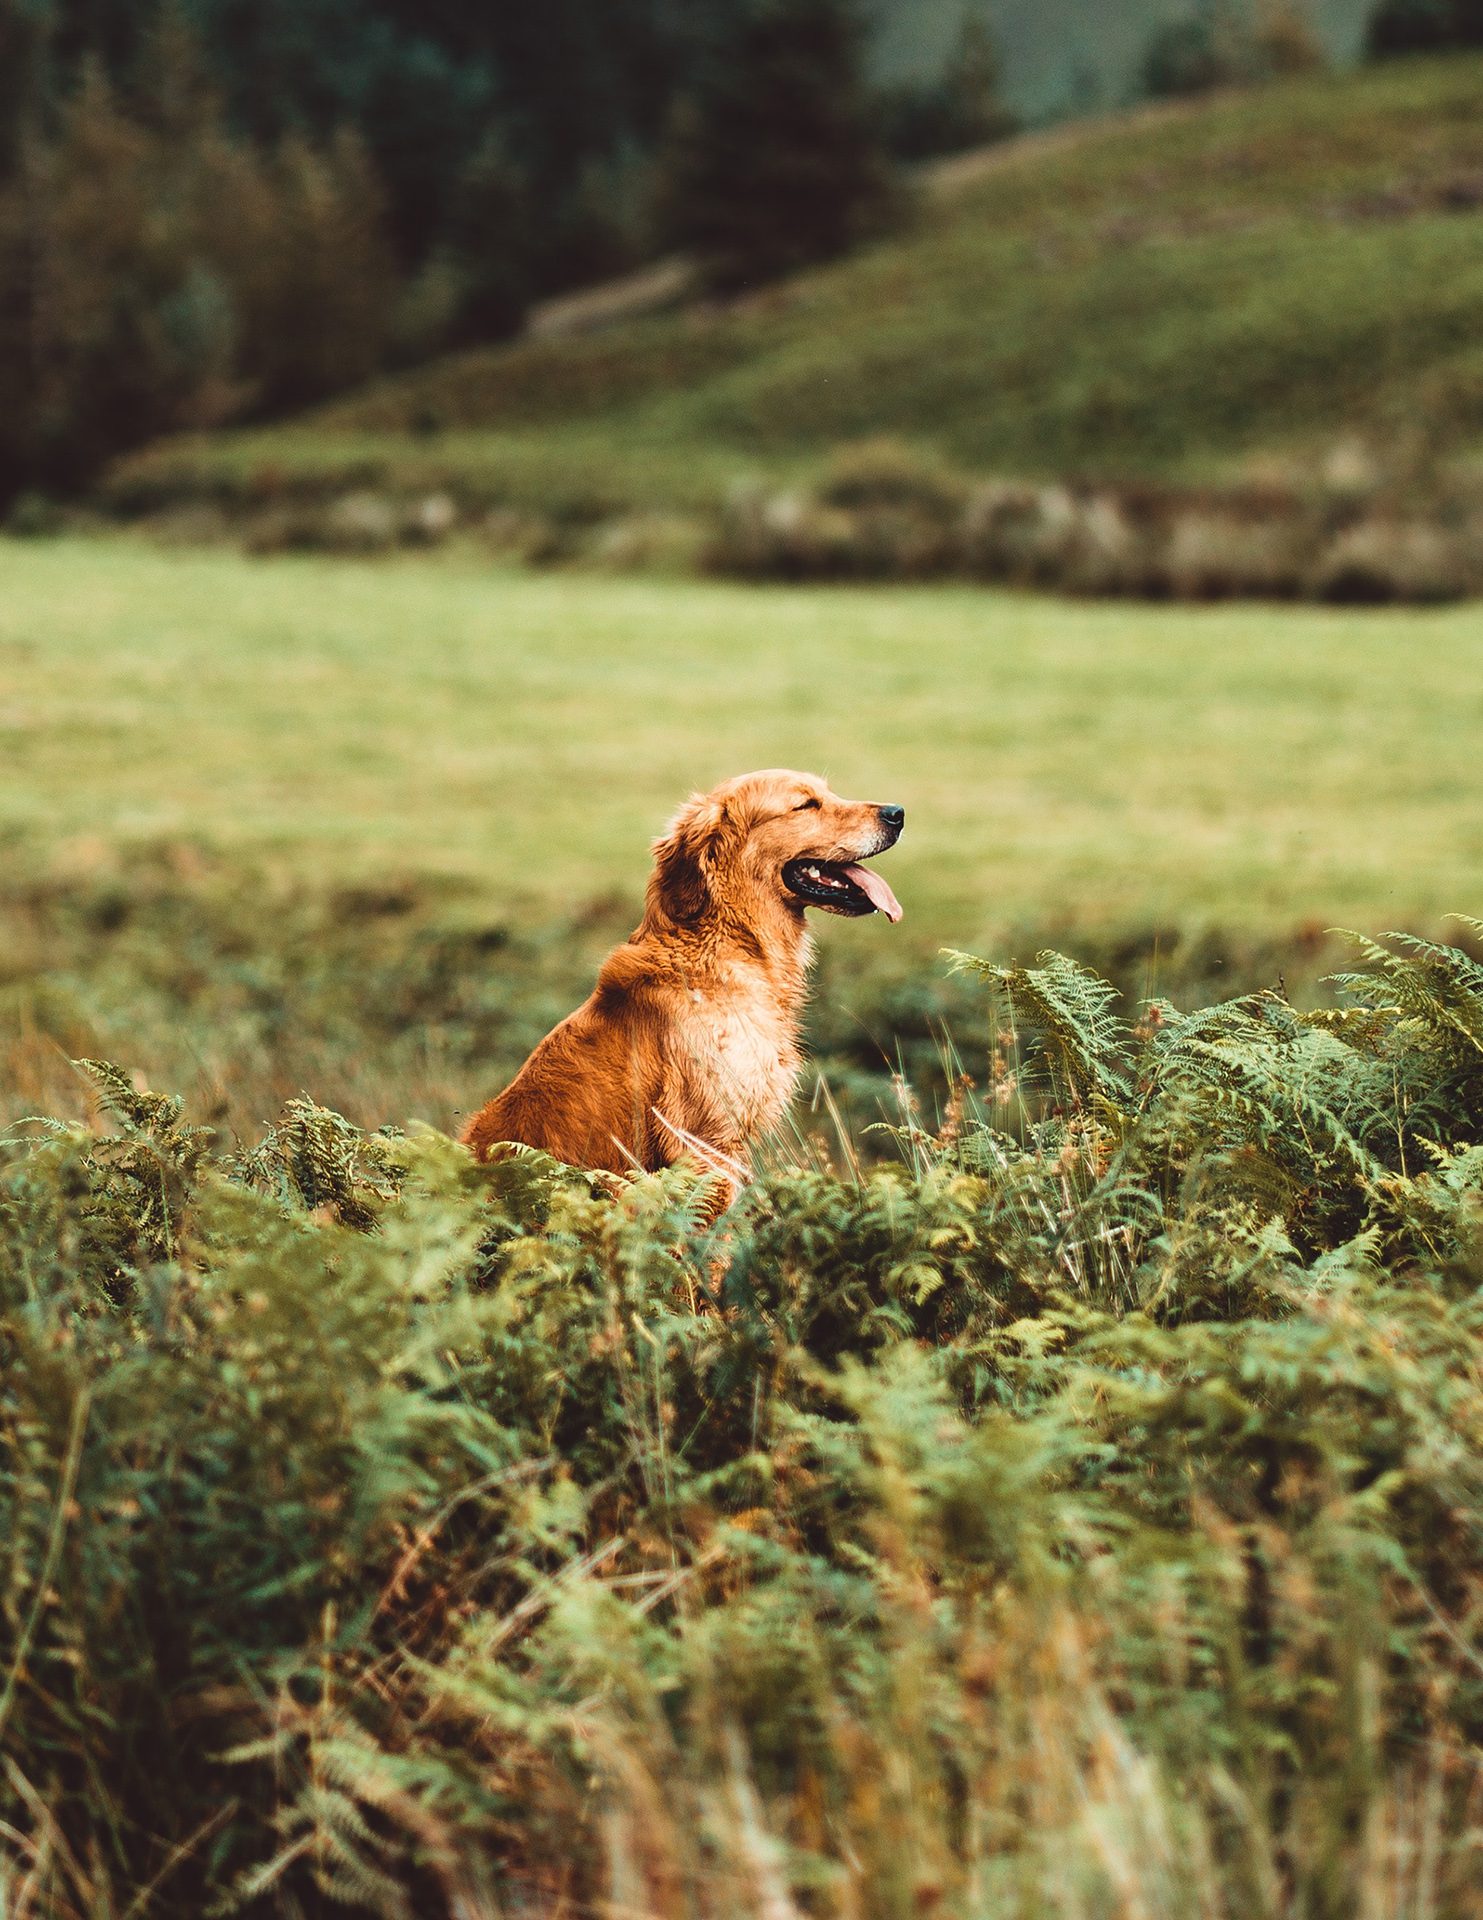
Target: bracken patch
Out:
[1077,1512]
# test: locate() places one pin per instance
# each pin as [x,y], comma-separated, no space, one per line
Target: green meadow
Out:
[1062,1499]
[1062,764]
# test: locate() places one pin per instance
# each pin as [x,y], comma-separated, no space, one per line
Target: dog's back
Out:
[585,1093]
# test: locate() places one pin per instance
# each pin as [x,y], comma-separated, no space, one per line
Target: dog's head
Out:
[773,842]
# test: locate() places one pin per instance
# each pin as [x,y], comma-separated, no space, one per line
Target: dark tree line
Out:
[567,99]
[212,209]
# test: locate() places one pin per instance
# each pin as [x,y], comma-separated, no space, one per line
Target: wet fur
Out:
[689,1042]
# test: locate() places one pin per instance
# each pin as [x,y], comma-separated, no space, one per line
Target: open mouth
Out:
[838,888]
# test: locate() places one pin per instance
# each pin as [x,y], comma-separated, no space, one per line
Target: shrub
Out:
[1195,54]
[888,473]
[1211,555]
[882,510]
[1221,45]
[33,516]
[1377,560]
[1050,536]
[1284,41]
[782,536]
[363,522]
[903,506]
[646,543]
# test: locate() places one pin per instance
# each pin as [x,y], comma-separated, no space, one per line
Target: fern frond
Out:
[1289,1085]
[315,1157]
[1441,987]
[1070,1009]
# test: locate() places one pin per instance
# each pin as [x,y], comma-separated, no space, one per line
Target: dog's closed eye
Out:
[807,806]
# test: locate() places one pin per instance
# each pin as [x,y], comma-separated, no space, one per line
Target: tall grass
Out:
[1077,1513]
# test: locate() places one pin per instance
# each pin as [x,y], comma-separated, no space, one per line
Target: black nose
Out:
[894,817]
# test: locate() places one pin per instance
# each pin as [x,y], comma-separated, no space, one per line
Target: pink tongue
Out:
[880,894]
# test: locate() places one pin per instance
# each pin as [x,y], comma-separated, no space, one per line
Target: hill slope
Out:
[1184,295]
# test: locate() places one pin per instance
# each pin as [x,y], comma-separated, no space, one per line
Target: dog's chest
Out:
[747,1051]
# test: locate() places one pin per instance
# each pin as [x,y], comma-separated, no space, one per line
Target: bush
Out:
[1084,1504]
[884,511]
[363,522]
[1194,54]
[1376,560]
[1221,46]
[1285,41]
[1212,555]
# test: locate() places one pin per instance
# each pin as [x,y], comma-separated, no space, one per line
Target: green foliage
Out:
[1221,44]
[1071,1009]
[1082,1508]
[1194,54]
[486,250]
[884,510]
[157,274]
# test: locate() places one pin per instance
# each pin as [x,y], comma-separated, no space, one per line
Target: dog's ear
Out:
[683,859]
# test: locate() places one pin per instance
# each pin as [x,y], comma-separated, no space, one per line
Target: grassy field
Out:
[368,826]
[1060,763]
[1224,290]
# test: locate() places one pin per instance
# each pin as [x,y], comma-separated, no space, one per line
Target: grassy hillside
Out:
[366,827]
[1231,288]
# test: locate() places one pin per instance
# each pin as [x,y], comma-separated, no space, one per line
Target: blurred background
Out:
[433,439]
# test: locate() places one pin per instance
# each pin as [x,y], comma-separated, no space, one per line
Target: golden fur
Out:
[689,1041]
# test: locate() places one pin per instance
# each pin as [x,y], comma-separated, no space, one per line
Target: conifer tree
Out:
[774,160]
[486,241]
[961,107]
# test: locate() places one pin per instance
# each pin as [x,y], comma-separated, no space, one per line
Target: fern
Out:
[384,1533]
[1070,1010]
[1440,987]
[1277,1081]
[315,1158]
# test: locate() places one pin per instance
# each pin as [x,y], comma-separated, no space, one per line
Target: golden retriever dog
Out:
[688,1044]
